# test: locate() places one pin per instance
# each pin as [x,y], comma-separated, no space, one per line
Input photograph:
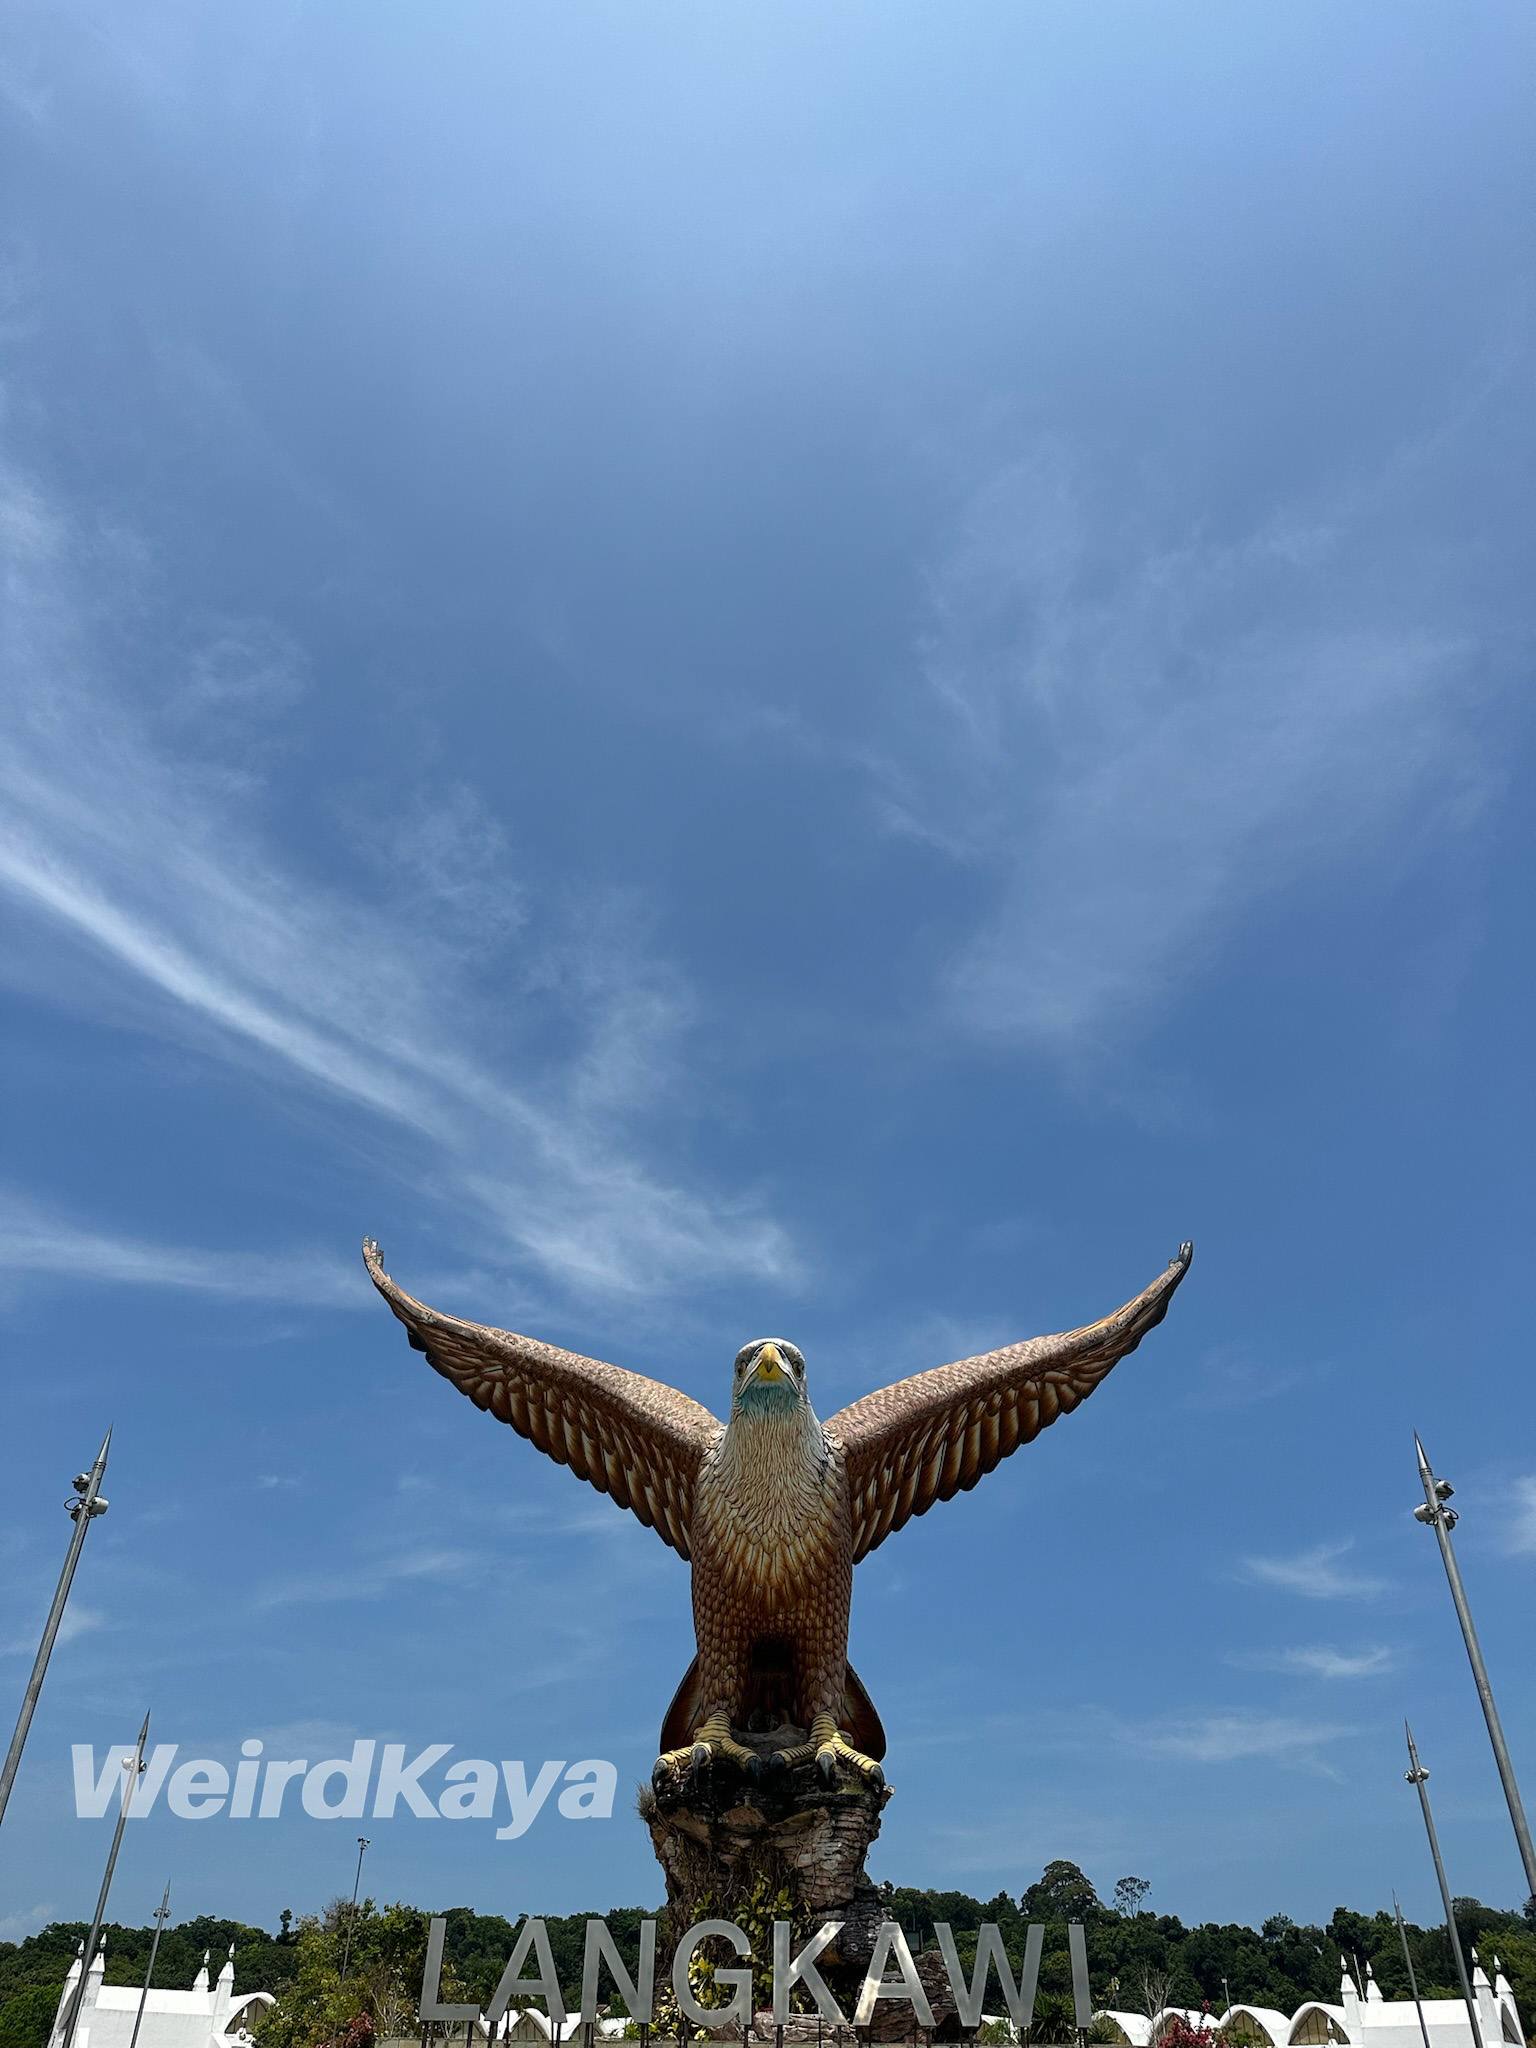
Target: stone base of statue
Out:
[788,1847]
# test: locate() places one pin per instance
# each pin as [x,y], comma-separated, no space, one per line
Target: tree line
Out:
[1138,1960]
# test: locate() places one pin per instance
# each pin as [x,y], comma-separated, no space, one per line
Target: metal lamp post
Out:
[162,1914]
[1442,1520]
[132,1767]
[1413,1979]
[83,1510]
[1418,1778]
[346,1953]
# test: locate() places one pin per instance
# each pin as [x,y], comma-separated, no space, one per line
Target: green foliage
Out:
[384,1953]
[754,1912]
[1135,1957]
[26,2018]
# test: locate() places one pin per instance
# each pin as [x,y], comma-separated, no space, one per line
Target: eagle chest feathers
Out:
[771,1512]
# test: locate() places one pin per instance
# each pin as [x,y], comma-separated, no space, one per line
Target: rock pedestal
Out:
[728,1847]
[787,1847]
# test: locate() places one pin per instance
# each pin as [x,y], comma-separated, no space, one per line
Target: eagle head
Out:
[769,1383]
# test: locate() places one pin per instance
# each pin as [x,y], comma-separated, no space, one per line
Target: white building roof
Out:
[208,2016]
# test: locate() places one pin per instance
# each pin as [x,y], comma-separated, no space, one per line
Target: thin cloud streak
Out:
[370,1582]
[1208,1738]
[1230,1738]
[35,1244]
[1314,1574]
[1520,1538]
[141,857]
[1320,1660]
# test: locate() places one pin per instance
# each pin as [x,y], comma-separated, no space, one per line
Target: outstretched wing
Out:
[634,1438]
[930,1437]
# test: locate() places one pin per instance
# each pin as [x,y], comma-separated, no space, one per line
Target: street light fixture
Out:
[1418,1778]
[82,1510]
[1442,1520]
[346,1954]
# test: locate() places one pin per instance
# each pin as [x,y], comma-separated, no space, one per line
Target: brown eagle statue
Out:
[774,1508]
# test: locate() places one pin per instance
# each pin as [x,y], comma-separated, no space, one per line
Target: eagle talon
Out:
[832,1748]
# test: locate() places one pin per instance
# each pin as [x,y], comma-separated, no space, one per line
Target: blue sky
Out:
[831,669]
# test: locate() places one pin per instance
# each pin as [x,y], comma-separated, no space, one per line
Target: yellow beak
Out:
[768,1365]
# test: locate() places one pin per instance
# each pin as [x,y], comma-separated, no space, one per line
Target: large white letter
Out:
[192,1786]
[94,1795]
[275,1784]
[396,1779]
[145,1792]
[589,1789]
[1082,1997]
[891,1942]
[801,1969]
[525,1804]
[739,2011]
[641,1997]
[970,1998]
[354,1776]
[546,1984]
[245,1781]
[432,2007]
[475,1801]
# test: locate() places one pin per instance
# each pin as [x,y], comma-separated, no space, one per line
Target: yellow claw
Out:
[831,1747]
[711,1739]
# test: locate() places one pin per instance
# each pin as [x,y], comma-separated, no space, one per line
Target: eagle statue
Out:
[774,1508]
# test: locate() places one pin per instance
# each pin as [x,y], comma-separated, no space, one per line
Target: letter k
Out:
[396,1779]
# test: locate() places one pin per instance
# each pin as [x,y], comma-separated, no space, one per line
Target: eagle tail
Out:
[859,1720]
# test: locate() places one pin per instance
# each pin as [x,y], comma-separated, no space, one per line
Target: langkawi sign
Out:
[892,1973]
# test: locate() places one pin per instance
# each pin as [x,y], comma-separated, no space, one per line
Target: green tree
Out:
[26,2018]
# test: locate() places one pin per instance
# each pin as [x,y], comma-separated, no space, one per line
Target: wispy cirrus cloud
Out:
[1320,1660]
[77,1621]
[371,1580]
[1214,1738]
[1228,1377]
[149,861]
[1315,1574]
[17,1926]
[1520,1523]
[1150,729]
[37,1243]
[1231,1738]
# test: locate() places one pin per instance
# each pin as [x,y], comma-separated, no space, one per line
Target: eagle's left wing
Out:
[930,1437]
[634,1438]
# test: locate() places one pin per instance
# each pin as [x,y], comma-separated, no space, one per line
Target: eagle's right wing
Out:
[927,1438]
[632,1437]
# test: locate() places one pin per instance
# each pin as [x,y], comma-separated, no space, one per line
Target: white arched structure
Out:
[210,2015]
[1357,2021]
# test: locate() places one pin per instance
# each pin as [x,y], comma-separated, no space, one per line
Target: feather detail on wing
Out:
[930,1437]
[632,1437]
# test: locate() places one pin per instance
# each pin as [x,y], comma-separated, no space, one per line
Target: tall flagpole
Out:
[83,1509]
[1418,1778]
[132,1767]
[1442,1520]
[162,1914]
